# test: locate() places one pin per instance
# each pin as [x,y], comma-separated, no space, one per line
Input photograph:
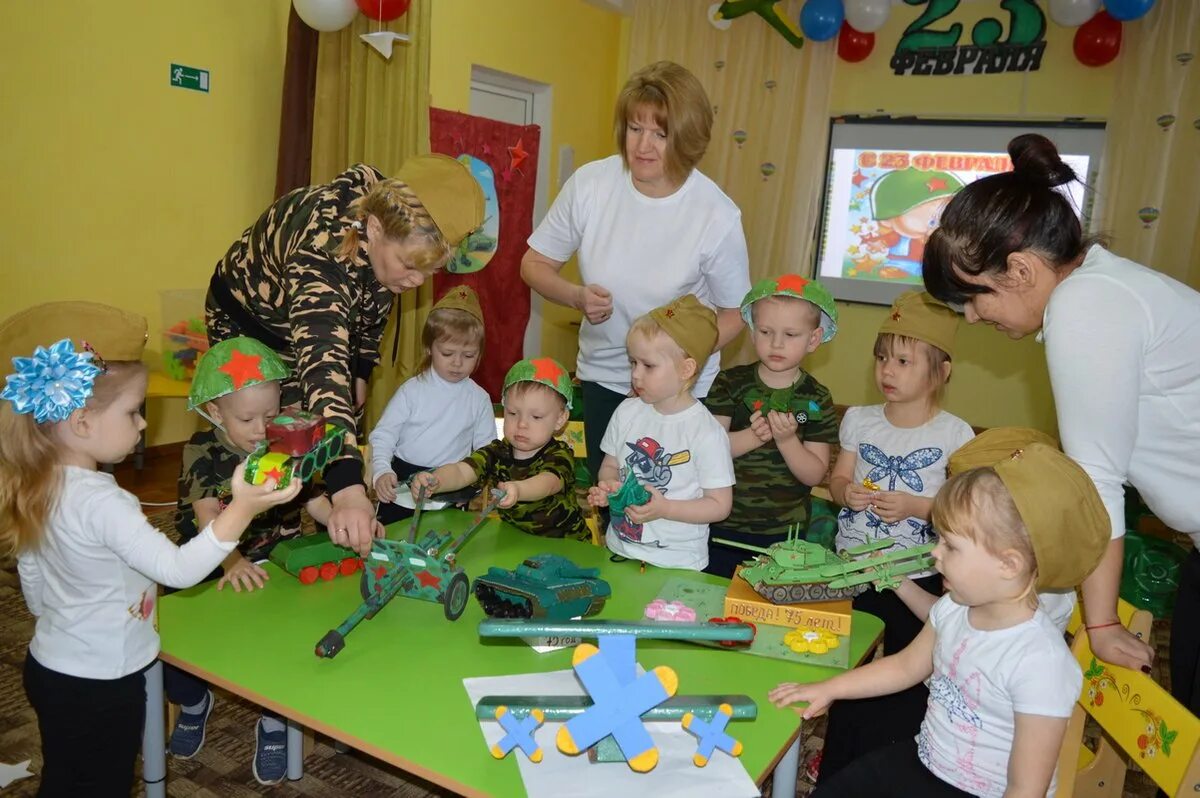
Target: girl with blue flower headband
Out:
[89,559]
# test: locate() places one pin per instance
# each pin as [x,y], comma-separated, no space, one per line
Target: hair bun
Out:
[1036,159]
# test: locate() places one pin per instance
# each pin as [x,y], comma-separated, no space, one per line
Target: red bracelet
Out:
[1103,625]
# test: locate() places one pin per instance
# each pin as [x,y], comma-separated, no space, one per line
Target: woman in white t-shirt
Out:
[1121,350]
[648,227]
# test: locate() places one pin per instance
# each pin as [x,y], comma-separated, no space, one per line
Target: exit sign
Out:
[186,77]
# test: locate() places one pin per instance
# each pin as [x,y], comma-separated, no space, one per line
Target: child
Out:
[535,471]
[668,441]
[1002,680]
[87,556]
[440,415]
[236,386]
[902,446]
[778,454]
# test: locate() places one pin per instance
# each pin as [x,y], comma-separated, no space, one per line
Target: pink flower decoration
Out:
[661,610]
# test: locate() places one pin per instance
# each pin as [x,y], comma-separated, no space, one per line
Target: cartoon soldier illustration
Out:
[906,204]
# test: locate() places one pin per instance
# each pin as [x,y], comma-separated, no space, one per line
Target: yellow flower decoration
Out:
[809,640]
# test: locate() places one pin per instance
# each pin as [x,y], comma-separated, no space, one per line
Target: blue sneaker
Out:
[270,755]
[187,738]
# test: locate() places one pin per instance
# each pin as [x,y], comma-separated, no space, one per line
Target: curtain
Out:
[293,167]
[372,110]
[1148,183]
[771,130]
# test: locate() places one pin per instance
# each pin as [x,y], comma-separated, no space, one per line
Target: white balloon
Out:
[867,16]
[326,15]
[719,24]
[1073,13]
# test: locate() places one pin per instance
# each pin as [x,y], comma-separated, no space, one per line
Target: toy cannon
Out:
[544,586]
[298,443]
[794,570]
[425,569]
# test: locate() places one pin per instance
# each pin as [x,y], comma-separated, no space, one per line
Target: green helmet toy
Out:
[232,365]
[898,192]
[794,285]
[545,370]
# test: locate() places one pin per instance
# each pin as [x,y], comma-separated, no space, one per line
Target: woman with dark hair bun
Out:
[1121,348]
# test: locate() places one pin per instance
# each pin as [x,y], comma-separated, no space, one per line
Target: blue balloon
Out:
[1127,10]
[822,19]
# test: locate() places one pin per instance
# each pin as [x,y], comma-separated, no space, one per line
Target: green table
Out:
[396,690]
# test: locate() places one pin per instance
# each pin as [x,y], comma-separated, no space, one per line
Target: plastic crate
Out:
[184,335]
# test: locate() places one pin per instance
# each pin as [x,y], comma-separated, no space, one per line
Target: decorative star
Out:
[274,474]
[429,580]
[670,314]
[896,316]
[791,282]
[242,368]
[936,184]
[517,155]
[545,368]
[758,403]
[462,294]
[10,773]
[859,178]
[486,149]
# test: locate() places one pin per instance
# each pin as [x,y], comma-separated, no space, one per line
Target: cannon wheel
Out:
[454,600]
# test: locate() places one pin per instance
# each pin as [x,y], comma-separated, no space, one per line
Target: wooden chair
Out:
[1138,719]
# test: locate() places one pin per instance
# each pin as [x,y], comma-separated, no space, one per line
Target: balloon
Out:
[854,45]
[1148,215]
[1127,10]
[326,15]
[383,10]
[767,168]
[868,16]
[1073,13]
[1165,121]
[740,137]
[1098,40]
[821,19]
[1183,58]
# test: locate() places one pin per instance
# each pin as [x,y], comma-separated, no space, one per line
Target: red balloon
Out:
[383,10]
[854,45]
[1098,40]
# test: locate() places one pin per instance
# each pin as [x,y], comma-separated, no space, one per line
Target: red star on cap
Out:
[517,155]
[791,282]
[429,580]
[462,294]
[936,184]
[545,368]
[243,368]
[896,316]
[670,313]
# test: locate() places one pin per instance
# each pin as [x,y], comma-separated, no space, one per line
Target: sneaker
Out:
[187,738]
[270,755]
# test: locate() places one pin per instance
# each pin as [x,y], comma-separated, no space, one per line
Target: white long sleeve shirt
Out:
[91,581]
[1123,350]
[430,422]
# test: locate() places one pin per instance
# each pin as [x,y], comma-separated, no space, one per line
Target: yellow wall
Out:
[996,381]
[118,185]
[570,45]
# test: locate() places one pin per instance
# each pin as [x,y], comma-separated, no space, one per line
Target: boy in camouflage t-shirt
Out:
[781,421]
[536,471]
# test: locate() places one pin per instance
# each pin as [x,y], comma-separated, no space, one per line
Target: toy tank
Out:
[544,586]
[312,557]
[298,443]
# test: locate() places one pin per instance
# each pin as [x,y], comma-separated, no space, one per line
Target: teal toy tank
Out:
[544,586]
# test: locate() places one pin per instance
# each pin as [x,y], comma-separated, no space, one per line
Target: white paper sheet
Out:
[558,774]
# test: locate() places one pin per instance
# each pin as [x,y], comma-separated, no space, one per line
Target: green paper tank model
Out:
[793,571]
[298,443]
[312,557]
[544,586]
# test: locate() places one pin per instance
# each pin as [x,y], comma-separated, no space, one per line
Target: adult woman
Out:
[648,228]
[1120,347]
[314,279]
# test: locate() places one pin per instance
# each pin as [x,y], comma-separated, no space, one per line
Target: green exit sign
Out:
[186,77]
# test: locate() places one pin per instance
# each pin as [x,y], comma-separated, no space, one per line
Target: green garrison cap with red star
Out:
[545,370]
[231,365]
[794,285]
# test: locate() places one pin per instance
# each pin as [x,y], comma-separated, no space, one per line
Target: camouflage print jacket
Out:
[767,497]
[557,515]
[284,272]
[209,459]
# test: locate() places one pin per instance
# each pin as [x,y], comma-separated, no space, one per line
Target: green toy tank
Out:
[309,557]
[544,586]
[794,571]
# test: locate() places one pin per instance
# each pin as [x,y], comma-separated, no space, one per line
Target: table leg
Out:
[295,750]
[154,744]
[784,781]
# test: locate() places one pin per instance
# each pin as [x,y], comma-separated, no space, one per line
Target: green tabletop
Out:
[396,690]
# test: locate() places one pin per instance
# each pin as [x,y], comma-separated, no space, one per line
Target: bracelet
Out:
[1103,625]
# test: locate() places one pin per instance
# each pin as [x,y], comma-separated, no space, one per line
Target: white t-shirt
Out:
[681,455]
[980,680]
[1123,350]
[91,581]
[430,422]
[646,251]
[909,460]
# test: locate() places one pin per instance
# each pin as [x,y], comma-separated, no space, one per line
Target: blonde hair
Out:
[935,360]
[30,479]
[402,216]
[977,506]
[809,311]
[452,325]
[650,331]
[680,107]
